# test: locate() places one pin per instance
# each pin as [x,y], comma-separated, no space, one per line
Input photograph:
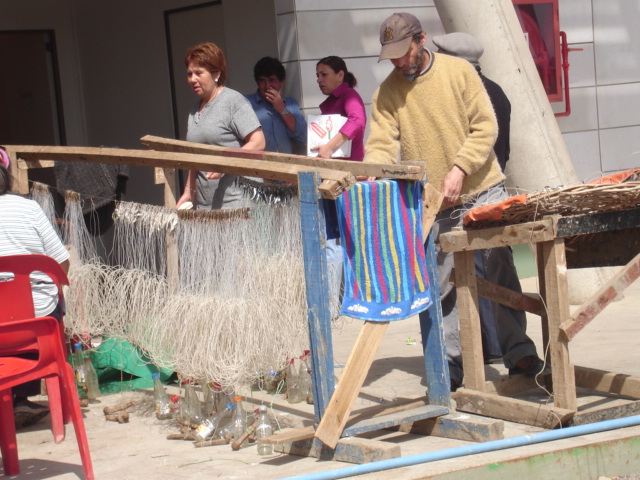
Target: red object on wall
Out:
[540,23]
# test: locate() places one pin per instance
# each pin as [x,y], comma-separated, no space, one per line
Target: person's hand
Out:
[274,98]
[214,175]
[324,151]
[452,185]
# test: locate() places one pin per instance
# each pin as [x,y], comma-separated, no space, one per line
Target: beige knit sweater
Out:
[443,118]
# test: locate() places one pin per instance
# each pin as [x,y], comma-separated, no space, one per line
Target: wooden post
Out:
[469,320]
[556,299]
[433,343]
[317,290]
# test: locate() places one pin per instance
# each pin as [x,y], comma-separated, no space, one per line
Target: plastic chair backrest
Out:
[15,295]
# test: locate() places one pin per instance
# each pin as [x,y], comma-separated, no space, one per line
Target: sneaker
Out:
[26,413]
[529,367]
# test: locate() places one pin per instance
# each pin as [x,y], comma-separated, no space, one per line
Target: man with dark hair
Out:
[283,125]
[433,107]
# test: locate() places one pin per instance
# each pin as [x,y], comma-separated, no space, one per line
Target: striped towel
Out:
[385,270]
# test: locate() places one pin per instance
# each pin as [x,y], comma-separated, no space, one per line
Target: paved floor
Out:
[139,449]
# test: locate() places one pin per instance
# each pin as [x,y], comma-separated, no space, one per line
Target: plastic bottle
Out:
[91,378]
[77,361]
[220,399]
[163,404]
[209,398]
[263,430]
[239,422]
[177,407]
[208,426]
[272,380]
[294,394]
[306,384]
[193,407]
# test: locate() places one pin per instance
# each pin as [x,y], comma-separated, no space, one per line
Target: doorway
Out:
[31,111]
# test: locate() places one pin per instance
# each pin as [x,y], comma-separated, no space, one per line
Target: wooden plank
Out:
[339,180]
[404,171]
[556,299]
[608,412]
[351,450]
[386,421]
[608,382]
[18,171]
[355,371]
[313,228]
[432,334]
[431,202]
[508,297]
[469,320]
[509,386]
[608,293]
[531,232]
[511,409]
[291,435]
[458,426]
[597,222]
[369,412]
[602,249]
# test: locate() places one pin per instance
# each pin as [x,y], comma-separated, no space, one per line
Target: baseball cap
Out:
[460,44]
[396,33]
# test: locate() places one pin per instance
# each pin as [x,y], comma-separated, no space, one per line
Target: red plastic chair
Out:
[19,306]
[21,333]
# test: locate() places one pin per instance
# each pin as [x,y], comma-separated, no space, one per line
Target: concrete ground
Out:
[139,449]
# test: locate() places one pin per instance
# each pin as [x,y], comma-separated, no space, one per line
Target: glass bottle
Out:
[161,399]
[306,384]
[208,398]
[294,393]
[239,422]
[263,430]
[91,378]
[209,425]
[77,361]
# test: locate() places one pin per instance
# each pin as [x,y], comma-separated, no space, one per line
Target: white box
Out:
[321,129]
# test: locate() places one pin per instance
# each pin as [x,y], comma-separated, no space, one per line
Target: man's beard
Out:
[412,69]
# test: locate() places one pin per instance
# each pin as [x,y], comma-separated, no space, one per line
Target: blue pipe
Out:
[476,448]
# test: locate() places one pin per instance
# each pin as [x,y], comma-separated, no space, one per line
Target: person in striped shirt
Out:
[25,229]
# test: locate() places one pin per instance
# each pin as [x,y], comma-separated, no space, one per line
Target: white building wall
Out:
[603,131]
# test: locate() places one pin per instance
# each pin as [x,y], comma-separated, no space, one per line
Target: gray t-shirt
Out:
[225,122]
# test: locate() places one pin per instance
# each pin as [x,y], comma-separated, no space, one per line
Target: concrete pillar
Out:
[539,157]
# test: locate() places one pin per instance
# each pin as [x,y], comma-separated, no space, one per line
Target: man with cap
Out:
[434,108]
[468,47]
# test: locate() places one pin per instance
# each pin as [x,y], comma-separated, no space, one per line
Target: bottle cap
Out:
[229,406]
[155,375]
[237,398]
[262,408]
[77,346]
[175,398]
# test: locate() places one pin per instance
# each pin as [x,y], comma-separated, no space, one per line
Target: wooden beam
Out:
[469,239]
[405,171]
[511,409]
[457,426]
[608,382]
[352,450]
[431,202]
[607,412]
[608,293]
[556,300]
[355,371]
[510,298]
[469,320]
[336,181]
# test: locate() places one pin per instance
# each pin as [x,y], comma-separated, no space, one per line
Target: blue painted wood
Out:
[317,288]
[435,352]
[386,421]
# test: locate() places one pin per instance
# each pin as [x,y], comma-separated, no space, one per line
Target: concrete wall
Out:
[116,87]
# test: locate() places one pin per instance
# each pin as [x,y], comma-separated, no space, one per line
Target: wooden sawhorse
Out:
[618,229]
[332,406]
